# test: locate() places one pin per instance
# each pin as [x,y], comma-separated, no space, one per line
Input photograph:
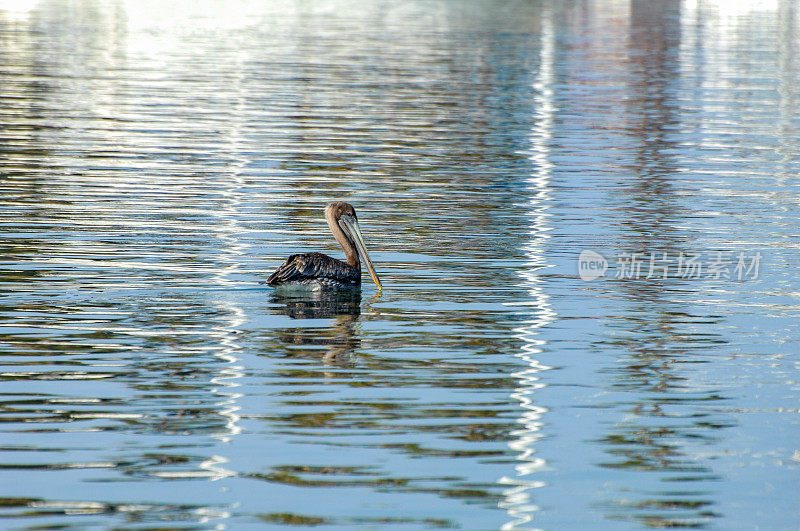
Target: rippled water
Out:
[157,160]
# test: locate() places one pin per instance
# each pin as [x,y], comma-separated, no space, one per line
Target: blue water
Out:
[159,160]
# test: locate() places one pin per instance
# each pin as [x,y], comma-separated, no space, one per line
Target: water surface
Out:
[157,160]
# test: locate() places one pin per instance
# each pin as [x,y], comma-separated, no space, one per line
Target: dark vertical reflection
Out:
[654,347]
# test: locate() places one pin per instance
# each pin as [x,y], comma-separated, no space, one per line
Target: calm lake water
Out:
[159,159]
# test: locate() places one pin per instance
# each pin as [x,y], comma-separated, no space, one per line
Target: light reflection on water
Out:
[518,500]
[154,168]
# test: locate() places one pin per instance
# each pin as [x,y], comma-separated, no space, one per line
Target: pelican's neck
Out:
[346,243]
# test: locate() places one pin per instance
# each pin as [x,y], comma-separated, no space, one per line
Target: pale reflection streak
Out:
[232,252]
[787,68]
[517,499]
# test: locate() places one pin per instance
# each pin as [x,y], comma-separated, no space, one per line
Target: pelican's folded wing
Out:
[299,267]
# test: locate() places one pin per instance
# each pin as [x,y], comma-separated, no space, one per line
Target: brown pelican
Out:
[317,271]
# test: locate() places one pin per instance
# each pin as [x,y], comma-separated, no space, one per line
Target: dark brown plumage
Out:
[310,268]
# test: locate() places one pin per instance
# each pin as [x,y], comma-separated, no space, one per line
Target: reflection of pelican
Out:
[317,271]
[340,339]
[319,305]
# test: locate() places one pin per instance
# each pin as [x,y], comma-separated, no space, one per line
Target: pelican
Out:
[320,272]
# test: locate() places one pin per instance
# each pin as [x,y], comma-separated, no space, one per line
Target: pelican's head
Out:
[343,222]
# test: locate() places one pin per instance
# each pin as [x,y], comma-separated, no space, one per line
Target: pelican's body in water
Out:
[320,272]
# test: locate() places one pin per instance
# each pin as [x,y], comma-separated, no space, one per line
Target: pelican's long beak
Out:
[350,226]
